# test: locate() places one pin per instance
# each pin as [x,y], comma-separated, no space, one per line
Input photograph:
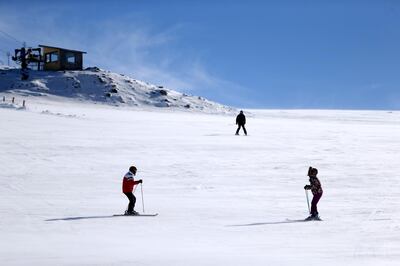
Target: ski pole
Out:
[141,189]
[308,202]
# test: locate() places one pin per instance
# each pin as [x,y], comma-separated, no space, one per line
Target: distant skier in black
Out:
[241,121]
[316,189]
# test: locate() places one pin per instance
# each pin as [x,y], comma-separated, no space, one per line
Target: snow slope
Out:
[105,87]
[222,199]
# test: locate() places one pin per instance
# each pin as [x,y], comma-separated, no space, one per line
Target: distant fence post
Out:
[13,99]
[23,103]
[4,98]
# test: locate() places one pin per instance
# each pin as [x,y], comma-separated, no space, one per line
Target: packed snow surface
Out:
[222,199]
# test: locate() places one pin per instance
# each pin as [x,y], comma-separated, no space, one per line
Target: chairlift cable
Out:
[10,36]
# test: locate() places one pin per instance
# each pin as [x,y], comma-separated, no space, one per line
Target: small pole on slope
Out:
[308,201]
[23,103]
[13,99]
[4,98]
[141,189]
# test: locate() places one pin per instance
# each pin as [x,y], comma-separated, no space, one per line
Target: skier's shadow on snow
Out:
[269,223]
[80,218]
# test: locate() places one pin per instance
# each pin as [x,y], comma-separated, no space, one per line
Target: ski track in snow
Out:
[222,199]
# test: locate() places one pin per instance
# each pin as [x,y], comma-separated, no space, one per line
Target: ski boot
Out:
[131,213]
[317,218]
[313,217]
[309,218]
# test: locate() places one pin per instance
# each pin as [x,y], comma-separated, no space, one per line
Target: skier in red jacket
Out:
[316,189]
[127,187]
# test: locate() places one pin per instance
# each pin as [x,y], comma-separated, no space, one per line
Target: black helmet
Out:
[312,171]
[132,169]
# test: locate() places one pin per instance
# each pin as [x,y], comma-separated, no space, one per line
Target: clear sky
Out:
[249,54]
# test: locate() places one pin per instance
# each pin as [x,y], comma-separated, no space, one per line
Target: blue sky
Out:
[249,54]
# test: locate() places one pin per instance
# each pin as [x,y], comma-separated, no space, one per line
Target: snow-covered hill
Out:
[97,85]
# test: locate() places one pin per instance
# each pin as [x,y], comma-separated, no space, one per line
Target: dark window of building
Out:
[52,57]
[70,58]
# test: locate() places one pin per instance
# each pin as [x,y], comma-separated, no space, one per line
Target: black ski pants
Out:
[132,201]
[314,202]
[244,129]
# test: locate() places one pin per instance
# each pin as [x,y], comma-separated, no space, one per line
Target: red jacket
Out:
[128,183]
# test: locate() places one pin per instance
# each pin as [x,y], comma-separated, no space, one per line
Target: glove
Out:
[307,187]
[140,181]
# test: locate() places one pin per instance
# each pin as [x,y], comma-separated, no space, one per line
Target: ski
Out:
[144,214]
[313,219]
[302,220]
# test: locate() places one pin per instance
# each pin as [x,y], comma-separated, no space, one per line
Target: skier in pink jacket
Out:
[316,189]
